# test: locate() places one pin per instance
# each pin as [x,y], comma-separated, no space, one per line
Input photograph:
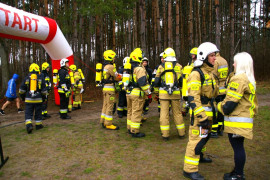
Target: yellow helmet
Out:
[45,65]
[194,51]
[136,56]
[34,68]
[169,52]
[73,67]
[109,55]
[55,71]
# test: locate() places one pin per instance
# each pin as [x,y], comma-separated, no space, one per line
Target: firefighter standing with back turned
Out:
[201,93]
[167,79]
[45,74]
[221,74]
[64,86]
[78,86]
[110,75]
[137,90]
[33,91]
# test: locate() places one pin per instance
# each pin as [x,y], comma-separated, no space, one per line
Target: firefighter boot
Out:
[29,128]
[112,127]
[235,177]
[204,159]
[227,175]
[138,135]
[40,126]
[193,176]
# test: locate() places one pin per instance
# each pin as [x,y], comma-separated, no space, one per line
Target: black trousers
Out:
[44,107]
[63,104]
[239,153]
[122,103]
[30,108]
[220,117]
[146,105]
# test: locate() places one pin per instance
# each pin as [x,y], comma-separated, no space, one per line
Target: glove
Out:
[156,98]
[150,98]
[82,90]
[204,124]
[67,93]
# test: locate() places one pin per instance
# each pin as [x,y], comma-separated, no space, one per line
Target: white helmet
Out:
[161,54]
[125,60]
[63,62]
[145,59]
[204,50]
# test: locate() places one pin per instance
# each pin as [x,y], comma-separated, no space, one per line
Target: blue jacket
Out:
[11,90]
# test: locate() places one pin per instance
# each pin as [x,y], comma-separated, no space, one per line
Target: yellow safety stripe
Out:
[220,123]
[219,107]
[209,82]
[69,106]
[192,161]
[208,113]
[198,110]
[28,121]
[238,124]
[194,83]
[165,127]
[181,126]
[165,92]
[102,115]
[234,94]
[38,122]
[214,125]
[145,87]
[129,122]
[33,101]
[135,125]
[63,111]
[222,69]
[120,108]
[108,117]
[252,107]
[137,92]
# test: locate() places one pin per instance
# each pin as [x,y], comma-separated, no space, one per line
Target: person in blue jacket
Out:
[11,95]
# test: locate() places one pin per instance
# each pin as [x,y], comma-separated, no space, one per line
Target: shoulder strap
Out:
[201,74]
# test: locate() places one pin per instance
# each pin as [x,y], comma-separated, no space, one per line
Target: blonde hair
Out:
[244,64]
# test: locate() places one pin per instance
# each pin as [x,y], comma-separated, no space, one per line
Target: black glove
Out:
[22,97]
[204,124]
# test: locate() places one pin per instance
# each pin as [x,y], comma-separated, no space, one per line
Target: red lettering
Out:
[6,13]
[27,21]
[36,20]
[19,22]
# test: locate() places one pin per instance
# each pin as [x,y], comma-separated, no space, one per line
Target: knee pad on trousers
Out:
[200,145]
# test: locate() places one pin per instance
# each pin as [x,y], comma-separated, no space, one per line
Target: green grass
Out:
[263,88]
[83,150]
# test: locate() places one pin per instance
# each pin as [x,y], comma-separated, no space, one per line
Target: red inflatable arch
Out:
[21,25]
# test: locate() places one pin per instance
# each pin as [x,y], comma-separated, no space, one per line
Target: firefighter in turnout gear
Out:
[221,74]
[153,79]
[72,89]
[109,76]
[239,107]
[45,74]
[137,90]
[64,87]
[78,87]
[145,64]
[202,89]
[167,79]
[33,91]
[122,100]
[186,72]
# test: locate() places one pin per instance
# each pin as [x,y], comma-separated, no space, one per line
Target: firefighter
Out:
[186,72]
[122,100]
[64,87]
[239,107]
[110,75]
[33,91]
[202,89]
[45,74]
[145,64]
[167,79]
[72,90]
[78,87]
[221,74]
[153,78]
[137,90]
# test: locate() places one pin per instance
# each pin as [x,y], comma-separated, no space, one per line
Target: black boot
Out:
[166,138]
[29,128]
[65,117]
[39,127]
[193,176]
[226,175]
[204,159]
[138,135]
[214,135]
[235,177]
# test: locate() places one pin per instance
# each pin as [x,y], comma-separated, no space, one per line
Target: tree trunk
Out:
[129,38]
[190,25]
[248,26]
[182,39]
[142,30]
[98,54]
[170,41]
[135,39]
[231,33]
[158,28]
[210,30]
[177,35]
[204,38]
[4,66]
[217,24]
[164,25]
[113,34]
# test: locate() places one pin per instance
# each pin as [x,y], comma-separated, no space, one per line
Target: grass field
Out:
[81,149]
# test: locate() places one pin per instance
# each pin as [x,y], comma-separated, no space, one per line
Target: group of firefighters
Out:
[203,88]
[213,99]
